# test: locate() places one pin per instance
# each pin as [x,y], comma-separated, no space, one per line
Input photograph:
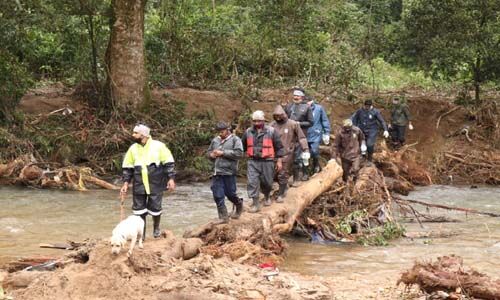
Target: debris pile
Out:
[150,274]
[448,279]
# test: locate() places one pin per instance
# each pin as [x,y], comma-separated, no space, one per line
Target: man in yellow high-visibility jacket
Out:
[150,164]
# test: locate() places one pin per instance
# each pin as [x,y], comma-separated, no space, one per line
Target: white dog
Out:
[129,229]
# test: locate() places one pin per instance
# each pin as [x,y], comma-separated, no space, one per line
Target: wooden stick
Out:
[58,246]
[122,201]
[446,113]
[467,210]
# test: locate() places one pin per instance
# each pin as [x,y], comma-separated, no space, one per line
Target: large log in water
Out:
[278,218]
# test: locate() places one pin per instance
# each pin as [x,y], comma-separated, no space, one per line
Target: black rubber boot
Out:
[282,193]
[267,200]
[223,216]
[316,165]
[239,209]
[369,156]
[305,175]
[143,217]
[255,205]
[296,174]
[156,226]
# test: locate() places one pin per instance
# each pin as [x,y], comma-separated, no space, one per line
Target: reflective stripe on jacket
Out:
[149,166]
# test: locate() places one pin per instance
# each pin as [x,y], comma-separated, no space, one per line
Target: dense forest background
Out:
[338,45]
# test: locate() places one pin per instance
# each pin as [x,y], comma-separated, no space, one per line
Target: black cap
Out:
[368,102]
[221,126]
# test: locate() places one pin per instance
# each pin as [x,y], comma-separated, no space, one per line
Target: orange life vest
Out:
[267,145]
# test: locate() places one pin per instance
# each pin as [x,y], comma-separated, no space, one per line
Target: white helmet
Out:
[258,115]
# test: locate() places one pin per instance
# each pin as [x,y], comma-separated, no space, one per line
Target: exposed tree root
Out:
[26,170]
[448,275]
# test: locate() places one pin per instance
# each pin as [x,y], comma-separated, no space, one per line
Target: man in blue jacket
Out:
[369,119]
[319,131]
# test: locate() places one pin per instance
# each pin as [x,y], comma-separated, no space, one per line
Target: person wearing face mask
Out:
[290,135]
[263,148]
[150,165]
[348,146]
[369,120]
[225,151]
[400,119]
[300,111]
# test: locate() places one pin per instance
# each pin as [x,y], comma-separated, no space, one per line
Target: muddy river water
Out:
[29,217]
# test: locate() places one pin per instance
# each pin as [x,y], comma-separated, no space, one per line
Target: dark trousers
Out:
[350,168]
[224,186]
[260,175]
[143,203]
[314,148]
[398,134]
[284,174]
[297,157]
[371,139]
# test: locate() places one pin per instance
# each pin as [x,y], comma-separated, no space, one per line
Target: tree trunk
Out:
[127,82]
[278,218]
[477,79]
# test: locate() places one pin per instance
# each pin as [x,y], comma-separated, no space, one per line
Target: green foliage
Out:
[454,39]
[14,81]
[380,236]
[355,218]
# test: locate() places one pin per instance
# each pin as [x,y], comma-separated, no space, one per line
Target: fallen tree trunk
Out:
[278,218]
[448,274]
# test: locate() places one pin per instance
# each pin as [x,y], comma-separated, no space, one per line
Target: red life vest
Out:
[267,144]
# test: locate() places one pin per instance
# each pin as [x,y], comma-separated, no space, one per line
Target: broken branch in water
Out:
[467,210]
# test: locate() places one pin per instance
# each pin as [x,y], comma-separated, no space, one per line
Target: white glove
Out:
[305,158]
[326,139]
[363,148]
[410,127]
[386,133]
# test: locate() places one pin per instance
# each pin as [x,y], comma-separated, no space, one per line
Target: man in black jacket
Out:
[301,112]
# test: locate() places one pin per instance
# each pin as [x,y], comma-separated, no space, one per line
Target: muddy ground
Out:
[146,275]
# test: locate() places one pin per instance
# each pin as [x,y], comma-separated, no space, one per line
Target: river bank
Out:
[350,271]
[440,151]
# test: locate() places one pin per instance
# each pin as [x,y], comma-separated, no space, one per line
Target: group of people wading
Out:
[274,151]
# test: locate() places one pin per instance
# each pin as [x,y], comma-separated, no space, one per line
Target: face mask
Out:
[278,119]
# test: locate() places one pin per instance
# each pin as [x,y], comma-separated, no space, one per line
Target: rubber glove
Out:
[386,133]
[305,158]
[363,148]
[326,139]
[410,126]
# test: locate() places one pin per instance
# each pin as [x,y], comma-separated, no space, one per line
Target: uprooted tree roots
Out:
[25,170]
[473,166]
[447,276]
[356,211]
